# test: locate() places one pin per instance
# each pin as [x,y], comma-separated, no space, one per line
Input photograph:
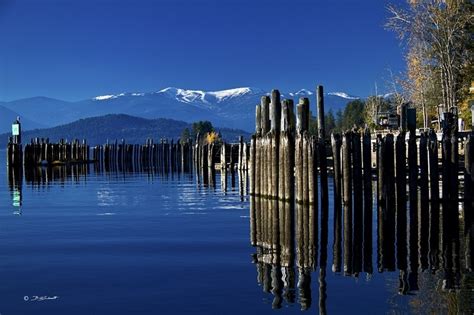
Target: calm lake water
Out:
[155,244]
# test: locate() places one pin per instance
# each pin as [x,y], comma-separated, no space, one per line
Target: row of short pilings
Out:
[42,152]
[165,156]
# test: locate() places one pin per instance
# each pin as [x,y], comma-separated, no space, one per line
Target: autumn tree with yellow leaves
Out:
[439,53]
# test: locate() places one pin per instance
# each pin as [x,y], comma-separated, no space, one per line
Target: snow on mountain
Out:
[302,92]
[104,97]
[226,94]
[185,96]
[191,96]
[112,96]
[344,95]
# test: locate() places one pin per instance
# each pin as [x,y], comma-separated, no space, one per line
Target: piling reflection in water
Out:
[44,176]
[272,224]
[435,248]
[288,245]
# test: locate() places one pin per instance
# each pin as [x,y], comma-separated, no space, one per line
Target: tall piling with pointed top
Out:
[322,143]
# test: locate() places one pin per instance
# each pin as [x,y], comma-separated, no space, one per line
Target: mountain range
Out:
[233,108]
[99,130]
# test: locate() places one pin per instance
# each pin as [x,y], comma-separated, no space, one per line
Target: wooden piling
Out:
[347,200]
[401,193]
[265,114]
[336,153]
[433,166]
[367,177]
[322,143]
[358,201]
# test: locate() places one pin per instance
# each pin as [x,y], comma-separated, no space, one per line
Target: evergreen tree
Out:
[185,135]
[353,115]
[330,122]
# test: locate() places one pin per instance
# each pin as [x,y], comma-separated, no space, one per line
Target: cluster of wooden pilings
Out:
[41,151]
[284,157]
[167,156]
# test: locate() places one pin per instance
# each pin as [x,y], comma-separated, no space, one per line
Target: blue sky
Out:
[73,50]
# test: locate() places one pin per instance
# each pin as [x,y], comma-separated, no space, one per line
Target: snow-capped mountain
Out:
[233,108]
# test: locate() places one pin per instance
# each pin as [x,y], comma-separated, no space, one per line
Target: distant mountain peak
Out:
[114,96]
[226,94]
[302,92]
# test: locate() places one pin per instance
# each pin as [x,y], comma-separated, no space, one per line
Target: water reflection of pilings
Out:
[353,162]
[433,242]
[286,237]
[44,176]
[272,234]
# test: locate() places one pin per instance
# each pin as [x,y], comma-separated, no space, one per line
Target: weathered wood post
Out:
[389,209]
[302,124]
[336,153]
[336,157]
[433,165]
[258,165]
[380,169]
[412,169]
[367,166]
[423,215]
[322,143]
[286,157]
[252,164]
[455,164]
[358,201]
[347,200]
[265,114]
[401,192]
[275,116]
[241,154]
